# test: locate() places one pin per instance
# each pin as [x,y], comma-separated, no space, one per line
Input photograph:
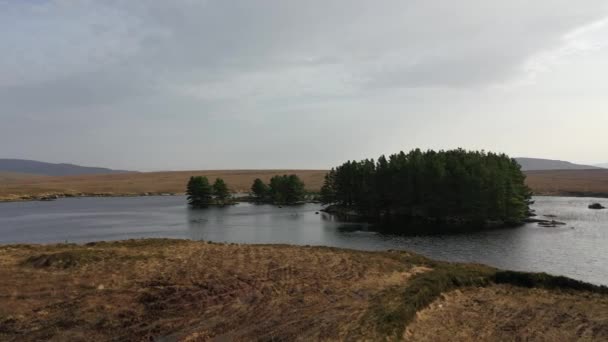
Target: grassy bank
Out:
[185,290]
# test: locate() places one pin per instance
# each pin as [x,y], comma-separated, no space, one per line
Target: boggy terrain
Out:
[198,291]
[577,183]
[14,188]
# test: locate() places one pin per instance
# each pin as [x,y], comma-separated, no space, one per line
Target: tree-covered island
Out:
[453,188]
[201,194]
[285,189]
[281,190]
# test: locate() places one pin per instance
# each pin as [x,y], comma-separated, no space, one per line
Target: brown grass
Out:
[187,290]
[569,182]
[145,182]
[6,177]
[506,313]
[15,186]
[195,291]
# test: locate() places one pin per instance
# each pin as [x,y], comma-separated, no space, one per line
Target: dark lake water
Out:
[578,250]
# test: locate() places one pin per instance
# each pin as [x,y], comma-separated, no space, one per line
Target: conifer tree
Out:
[259,190]
[463,185]
[220,191]
[199,192]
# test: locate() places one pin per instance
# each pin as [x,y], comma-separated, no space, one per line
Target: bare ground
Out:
[197,291]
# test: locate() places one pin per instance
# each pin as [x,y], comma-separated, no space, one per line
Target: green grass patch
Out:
[395,308]
[546,281]
[392,310]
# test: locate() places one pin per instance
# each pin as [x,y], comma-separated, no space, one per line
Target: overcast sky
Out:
[194,84]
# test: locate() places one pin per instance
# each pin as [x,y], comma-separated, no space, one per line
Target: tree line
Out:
[201,194]
[285,189]
[444,186]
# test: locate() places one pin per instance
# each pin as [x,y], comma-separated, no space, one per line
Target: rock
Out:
[596,206]
[551,224]
[544,223]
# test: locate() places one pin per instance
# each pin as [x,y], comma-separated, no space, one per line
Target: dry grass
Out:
[15,186]
[569,182]
[506,313]
[182,289]
[6,177]
[146,182]
[197,291]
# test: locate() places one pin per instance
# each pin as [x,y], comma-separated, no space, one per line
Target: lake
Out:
[578,250]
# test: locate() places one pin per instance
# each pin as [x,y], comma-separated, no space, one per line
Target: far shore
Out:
[565,183]
[59,195]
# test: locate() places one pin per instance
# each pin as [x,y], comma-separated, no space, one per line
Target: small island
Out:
[201,194]
[281,190]
[432,190]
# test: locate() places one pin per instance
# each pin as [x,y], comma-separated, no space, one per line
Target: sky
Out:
[222,84]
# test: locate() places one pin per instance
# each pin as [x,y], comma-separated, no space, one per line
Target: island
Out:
[431,190]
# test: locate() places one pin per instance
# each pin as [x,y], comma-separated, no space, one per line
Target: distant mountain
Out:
[49,169]
[603,166]
[531,164]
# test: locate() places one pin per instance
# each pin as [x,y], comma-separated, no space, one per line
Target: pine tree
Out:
[444,185]
[220,191]
[294,190]
[199,192]
[259,190]
[286,189]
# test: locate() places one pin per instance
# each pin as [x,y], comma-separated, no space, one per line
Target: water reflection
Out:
[577,250]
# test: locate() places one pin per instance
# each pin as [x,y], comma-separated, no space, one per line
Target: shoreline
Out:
[55,196]
[60,195]
[245,198]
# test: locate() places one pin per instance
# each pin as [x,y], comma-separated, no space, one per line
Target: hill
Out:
[180,290]
[603,166]
[531,164]
[50,169]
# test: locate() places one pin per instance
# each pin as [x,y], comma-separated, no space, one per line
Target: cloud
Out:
[209,47]
[211,58]
[580,41]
